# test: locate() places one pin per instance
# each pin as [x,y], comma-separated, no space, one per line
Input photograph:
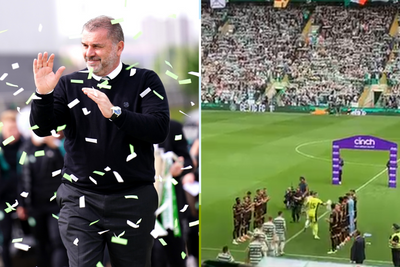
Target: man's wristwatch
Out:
[116,111]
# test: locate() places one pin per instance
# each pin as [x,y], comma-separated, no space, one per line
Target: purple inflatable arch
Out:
[364,142]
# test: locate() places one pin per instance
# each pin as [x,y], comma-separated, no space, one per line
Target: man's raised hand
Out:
[45,79]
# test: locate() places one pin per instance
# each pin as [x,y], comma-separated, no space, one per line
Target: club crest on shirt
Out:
[126,104]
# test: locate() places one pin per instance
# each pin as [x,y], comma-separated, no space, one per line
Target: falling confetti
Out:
[3,31]
[22,158]
[61,128]
[116,21]
[93,180]
[120,241]
[3,76]
[54,133]
[107,169]
[12,85]
[99,264]
[133,65]
[157,94]
[99,173]
[8,140]
[178,137]
[66,176]
[105,86]
[102,232]
[187,168]
[90,73]
[85,111]
[73,103]
[174,182]
[93,222]
[15,66]
[91,140]
[82,202]
[34,127]
[172,75]
[194,223]
[162,242]
[55,216]
[194,73]
[17,240]
[21,246]
[169,64]
[184,113]
[39,153]
[184,208]
[118,177]
[55,173]
[76,241]
[187,81]
[131,224]
[191,103]
[53,197]
[76,81]
[132,196]
[133,72]
[137,35]
[24,194]
[183,254]
[145,92]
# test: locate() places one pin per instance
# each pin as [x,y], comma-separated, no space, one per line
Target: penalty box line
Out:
[327,212]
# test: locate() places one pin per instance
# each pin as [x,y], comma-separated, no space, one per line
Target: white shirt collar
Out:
[111,75]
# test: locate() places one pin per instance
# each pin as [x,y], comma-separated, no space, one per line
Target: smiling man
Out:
[110,132]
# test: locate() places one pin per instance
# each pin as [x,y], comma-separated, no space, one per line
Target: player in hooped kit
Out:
[280,226]
[237,221]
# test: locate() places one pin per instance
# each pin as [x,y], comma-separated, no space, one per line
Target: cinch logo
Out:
[393,162]
[393,148]
[392,175]
[335,153]
[335,166]
[335,146]
[335,160]
[392,182]
[364,142]
[392,169]
[393,156]
[336,172]
[335,179]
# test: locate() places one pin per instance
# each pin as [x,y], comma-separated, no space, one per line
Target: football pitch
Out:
[243,152]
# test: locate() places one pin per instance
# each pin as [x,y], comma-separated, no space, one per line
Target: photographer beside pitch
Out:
[119,117]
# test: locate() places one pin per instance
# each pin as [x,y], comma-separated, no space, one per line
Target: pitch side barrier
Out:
[282,262]
[302,109]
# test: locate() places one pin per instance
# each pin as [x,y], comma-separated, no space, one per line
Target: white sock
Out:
[307,224]
[282,246]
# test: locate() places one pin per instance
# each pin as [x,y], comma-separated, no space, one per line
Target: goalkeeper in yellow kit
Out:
[312,205]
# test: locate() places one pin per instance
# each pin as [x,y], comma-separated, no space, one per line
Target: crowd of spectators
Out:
[345,50]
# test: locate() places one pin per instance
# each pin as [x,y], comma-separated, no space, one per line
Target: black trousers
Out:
[169,255]
[112,212]
[6,230]
[51,251]
[396,257]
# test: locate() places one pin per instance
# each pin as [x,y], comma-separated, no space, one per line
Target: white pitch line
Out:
[326,212]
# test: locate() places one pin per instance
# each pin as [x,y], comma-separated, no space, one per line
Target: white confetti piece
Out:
[132,196]
[184,208]
[24,194]
[121,234]
[82,202]
[21,246]
[40,27]
[161,208]
[76,241]
[184,113]
[85,111]
[54,133]
[3,76]
[131,224]
[119,178]
[55,173]
[102,232]
[35,97]
[158,230]
[178,137]
[18,91]
[107,169]
[133,71]
[139,221]
[145,92]
[174,182]
[73,177]
[73,103]
[91,140]
[194,223]
[131,156]
[15,66]
[194,73]
[93,180]
[53,197]
[191,103]
[15,204]
[17,240]
[19,110]
[187,168]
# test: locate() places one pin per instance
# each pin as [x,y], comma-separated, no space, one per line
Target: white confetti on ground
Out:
[21,246]
[82,202]
[93,180]
[145,92]
[76,241]
[184,208]
[15,66]
[55,173]
[3,76]
[54,133]
[131,156]
[133,71]
[24,194]
[107,169]
[85,111]
[119,178]
[73,103]
[102,232]
[18,91]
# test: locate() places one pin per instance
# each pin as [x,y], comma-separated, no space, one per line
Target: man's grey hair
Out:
[115,32]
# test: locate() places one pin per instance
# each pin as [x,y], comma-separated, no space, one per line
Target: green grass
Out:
[247,151]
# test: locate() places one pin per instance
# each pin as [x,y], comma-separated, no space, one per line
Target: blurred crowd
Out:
[344,50]
[30,174]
